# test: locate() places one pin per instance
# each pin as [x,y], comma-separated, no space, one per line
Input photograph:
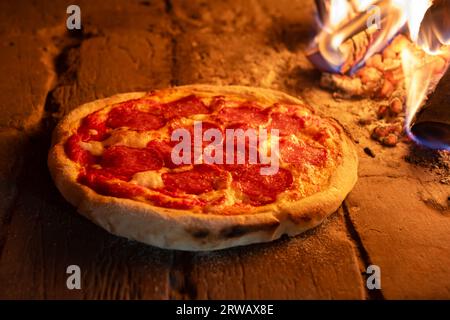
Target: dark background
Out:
[397,216]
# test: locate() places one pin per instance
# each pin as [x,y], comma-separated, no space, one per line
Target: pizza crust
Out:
[183,229]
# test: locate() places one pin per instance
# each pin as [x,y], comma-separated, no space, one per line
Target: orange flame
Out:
[423,71]
[415,13]
[340,9]
[347,18]
[417,81]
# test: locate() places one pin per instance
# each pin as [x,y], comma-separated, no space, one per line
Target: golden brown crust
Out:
[183,229]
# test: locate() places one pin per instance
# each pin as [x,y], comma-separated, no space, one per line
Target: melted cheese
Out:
[132,139]
[199,117]
[265,145]
[302,112]
[148,179]
[94,147]
[230,197]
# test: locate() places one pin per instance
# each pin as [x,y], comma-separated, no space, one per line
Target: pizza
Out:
[202,167]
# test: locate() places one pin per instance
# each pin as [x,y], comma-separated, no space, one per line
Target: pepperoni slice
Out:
[218,102]
[102,182]
[76,153]
[262,189]
[301,153]
[124,162]
[126,115]
[164,149]
[246,113]
[286,124]
[93,128]
[185,107]
[202,178]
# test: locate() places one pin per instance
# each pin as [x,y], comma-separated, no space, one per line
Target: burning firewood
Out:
[382,78]
[353,69]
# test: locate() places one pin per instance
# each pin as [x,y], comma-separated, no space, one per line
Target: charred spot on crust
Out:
[300,219]
[199,233]
[306,218]
[234,231]
[238,230]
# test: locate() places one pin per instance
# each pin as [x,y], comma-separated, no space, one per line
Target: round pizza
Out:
[202,167]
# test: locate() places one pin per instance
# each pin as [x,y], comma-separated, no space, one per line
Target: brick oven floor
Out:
[397,217]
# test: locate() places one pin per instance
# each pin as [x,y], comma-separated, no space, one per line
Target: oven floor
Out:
[397,217]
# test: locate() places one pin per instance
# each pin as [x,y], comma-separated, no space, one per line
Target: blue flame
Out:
[436,144]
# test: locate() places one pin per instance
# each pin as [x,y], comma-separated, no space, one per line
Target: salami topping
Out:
[201,179]
[164,149]
[185,107]
[124,162]
[301,153]
[249,114]
[92,128]
[104,183]
[287,124]
[218,102]
[262,189]
[127,115]
[76,153]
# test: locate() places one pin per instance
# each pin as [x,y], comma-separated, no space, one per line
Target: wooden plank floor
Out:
[397,217]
